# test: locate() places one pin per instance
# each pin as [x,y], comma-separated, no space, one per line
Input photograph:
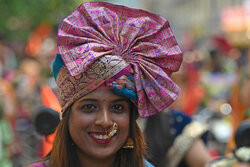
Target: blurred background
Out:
[214,77]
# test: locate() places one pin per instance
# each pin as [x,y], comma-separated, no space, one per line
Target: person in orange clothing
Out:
[50,100]
[240,99]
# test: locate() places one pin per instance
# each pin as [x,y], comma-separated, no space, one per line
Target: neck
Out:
[95,162]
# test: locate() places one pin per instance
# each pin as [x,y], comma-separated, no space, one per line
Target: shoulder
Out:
[185,132]
[147,164]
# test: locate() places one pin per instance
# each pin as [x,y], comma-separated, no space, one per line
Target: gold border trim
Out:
[71,88]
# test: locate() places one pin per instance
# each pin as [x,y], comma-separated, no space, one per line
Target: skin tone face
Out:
[91,120]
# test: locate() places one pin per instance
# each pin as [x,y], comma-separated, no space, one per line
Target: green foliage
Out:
[19,17]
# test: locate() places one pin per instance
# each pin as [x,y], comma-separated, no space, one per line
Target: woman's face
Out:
[92,118]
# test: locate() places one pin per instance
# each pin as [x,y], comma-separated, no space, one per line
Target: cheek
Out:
[73,127]
[124,126]
[77,124]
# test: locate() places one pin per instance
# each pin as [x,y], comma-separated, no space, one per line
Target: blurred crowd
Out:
[214,80]
[25,85]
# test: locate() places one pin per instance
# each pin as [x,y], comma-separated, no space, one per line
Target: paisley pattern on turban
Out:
[143,40]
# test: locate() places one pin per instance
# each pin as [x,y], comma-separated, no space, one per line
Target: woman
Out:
[114,64]
[175,140]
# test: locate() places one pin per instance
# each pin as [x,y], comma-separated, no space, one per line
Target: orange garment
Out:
[49,99]
[193,94]
[238,114]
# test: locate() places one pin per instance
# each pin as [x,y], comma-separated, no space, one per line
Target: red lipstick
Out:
[100,141]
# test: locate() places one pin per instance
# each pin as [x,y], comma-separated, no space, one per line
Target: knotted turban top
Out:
[100,42]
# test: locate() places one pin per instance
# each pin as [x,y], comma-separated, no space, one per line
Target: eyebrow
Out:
[95,100]
[89,99]
[120,100]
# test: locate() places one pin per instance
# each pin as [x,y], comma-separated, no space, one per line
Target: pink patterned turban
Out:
[100,41]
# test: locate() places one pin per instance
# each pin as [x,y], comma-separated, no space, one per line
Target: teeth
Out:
[104,137]
[100,136]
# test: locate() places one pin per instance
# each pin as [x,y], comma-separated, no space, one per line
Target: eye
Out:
[88,107]
[117,108]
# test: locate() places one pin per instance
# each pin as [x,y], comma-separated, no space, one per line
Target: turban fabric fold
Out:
[100,41]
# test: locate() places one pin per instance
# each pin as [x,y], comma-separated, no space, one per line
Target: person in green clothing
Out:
[5,140]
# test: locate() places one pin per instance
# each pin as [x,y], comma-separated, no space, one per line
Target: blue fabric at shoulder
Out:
[180,120]
[57,65]
[178,114]
[147,164]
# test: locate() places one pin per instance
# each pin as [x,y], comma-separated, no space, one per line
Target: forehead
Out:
[103,94]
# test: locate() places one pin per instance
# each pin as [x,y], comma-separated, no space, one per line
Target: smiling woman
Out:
[114,65]
[92,119]
[95,129]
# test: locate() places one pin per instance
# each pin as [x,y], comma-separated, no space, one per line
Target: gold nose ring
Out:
[114,130]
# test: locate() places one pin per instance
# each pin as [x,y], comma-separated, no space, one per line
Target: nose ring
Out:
[115,126]
[114,129]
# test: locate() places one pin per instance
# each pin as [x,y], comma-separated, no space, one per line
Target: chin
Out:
[104,154]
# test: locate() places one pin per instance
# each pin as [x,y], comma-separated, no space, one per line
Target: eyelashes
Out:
[88,108]
[118,108]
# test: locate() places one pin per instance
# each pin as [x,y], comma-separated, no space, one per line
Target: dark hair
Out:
[158,139]
[63,154]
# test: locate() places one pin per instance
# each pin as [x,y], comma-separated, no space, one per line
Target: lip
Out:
[100,141]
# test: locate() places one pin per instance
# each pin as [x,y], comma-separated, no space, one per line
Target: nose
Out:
[104,118]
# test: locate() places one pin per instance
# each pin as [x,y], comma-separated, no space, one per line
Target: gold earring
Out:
[129,144]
